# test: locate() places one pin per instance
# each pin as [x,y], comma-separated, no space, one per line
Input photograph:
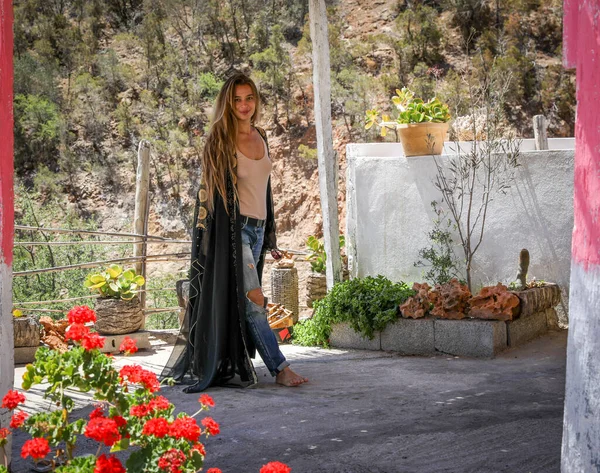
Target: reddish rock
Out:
[494,303]
[417,306]
[450,300]
[54,333]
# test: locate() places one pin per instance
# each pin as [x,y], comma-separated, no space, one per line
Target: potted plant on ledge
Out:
[118,310]
[422,126]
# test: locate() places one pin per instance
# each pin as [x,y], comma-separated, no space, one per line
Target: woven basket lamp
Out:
[284,289]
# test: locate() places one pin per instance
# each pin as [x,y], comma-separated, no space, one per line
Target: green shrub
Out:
[367,304]
[317,255]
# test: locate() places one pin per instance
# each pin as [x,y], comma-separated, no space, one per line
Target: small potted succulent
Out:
[118,309]
[422,126]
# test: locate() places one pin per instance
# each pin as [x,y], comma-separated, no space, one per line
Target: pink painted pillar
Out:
[6,205]
[581,429]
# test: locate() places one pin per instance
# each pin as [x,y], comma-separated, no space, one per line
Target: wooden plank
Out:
[540,134]
[327,158]
[142,207]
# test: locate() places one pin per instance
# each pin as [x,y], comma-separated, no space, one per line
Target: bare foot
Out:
[288,378]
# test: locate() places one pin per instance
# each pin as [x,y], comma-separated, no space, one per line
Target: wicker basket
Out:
[284,289]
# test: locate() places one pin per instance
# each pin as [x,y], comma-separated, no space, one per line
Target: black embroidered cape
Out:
[213,347]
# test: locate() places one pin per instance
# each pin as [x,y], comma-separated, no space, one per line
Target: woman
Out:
[226,317]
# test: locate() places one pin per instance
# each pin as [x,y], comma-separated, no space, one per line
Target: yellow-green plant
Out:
[115,282]
[317,255]
[411,109]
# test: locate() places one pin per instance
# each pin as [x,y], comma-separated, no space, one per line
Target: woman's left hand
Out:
[276,254]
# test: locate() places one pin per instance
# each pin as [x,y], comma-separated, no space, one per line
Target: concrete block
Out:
[113,342]
[470,337]
[523,329]
[24,355]
[409,337]
[344,336]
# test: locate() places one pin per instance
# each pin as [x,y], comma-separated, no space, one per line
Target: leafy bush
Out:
[209,85]
[317,255]
[439,256]
[367,304]
[37,130]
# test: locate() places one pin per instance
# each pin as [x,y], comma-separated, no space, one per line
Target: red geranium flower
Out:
[140,411]
[200,448]
[4,432]
[129,345]
[158,427]
[103,430]
[171,460]
[17,419]
[98,412]
[92,340]
[12,399]
[185,427]
[214,470]
[206,400]
[119,420]
[211,426]
[137,375]
[275,467]
[81,315]
[76,332]
[35,448]
[159,403]
[110,464]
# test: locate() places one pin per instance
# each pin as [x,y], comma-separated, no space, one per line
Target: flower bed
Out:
[449,327]
[129,413]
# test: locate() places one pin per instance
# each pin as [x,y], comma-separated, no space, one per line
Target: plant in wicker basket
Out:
[118,309]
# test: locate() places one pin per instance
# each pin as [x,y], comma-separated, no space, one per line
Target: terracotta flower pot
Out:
[419,139]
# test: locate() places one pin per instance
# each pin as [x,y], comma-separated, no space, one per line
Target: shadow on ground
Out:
[376,412]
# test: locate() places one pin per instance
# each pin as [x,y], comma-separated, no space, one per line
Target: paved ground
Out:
[377,412]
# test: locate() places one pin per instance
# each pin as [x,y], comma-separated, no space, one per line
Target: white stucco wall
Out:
[389,215]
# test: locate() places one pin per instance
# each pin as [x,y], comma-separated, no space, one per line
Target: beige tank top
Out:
[252,180]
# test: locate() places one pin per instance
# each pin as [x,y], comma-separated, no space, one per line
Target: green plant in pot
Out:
[422,126]
[316,253]
[118,309]
[316,283]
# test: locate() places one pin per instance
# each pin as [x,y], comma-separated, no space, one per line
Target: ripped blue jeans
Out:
[256,316]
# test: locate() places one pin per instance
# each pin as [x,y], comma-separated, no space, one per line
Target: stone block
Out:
[26,332]
[344,336]
[552,319]
[24,355]
[409,337]
[537,299]
[523,329]
[118,317]
[113,342]
[470,337]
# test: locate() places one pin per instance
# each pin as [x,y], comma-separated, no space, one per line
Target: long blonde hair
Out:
[219,156]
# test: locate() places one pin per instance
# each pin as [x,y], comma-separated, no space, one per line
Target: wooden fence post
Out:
[539,132]
[327,158]
[140,220]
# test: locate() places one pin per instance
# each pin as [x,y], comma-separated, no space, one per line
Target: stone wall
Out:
[389,215]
